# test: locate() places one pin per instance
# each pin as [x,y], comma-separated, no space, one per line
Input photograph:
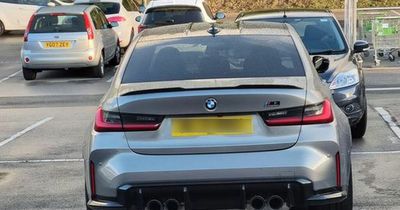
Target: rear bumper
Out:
[59,60]
[235,194]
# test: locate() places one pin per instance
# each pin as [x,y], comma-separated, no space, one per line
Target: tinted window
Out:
[10,1]
[319,34]
[107,8]
[130,5]
[103,19]
[214,57]
[57,23]
[169,16]
[34,2]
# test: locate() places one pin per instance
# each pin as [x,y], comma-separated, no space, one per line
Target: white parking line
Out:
[15,136]
[389,120]
[382,89]
[376,153]
[10,76]
[41,161]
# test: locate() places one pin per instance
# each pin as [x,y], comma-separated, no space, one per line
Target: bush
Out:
[244,5]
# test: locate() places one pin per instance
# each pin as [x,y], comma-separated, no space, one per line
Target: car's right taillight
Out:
[28,28]
[88,26]
[113,121]
[141,28]
[116,19]
[311,114]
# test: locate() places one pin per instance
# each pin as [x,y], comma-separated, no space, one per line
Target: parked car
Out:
[15,14]
[67,37]
[121,11]
[322,36]
[210,116]
[167,12]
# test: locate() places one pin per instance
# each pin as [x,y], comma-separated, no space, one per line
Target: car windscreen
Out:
[213,58]
[172,15]
[320,35]
[57,23]
[108,8]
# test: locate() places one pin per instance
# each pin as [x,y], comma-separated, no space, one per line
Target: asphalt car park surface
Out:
[43,123]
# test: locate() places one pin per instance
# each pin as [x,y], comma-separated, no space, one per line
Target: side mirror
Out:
[219,16]
[138,19]
[113,25]
[51,4]
[321,64]
[360,46]
[142,8]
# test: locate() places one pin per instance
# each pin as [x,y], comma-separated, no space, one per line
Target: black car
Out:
[324,40]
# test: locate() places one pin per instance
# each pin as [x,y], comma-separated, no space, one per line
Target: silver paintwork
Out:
[307,152]
[105,41]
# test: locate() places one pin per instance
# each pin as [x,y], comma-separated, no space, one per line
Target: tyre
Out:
[346,204]
[398,53]
[2,28]
[117,57]
[98,71]
[29,74]
[359,129]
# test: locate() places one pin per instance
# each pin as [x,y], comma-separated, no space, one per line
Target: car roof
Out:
[73,9]
[95,1]
[278,13]
[204,29]
[164,3]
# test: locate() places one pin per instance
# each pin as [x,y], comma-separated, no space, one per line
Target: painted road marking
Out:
[389,120]
[41,161]
[10,76]
[26,130]
[382,89]
[376,153]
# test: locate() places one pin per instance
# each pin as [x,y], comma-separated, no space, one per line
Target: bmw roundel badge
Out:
[211,104]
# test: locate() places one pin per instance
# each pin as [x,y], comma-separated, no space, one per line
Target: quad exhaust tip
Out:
[274,202]
[257,202]
[171,204]
[154,205]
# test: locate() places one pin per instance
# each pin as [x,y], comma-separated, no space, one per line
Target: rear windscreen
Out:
[214,57]
[57,23]
[107,7]
[169,16]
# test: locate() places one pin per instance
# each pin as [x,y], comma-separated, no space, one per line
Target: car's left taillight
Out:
[141,28]
[89,27]
[106,121]
[311,114]
[28,28]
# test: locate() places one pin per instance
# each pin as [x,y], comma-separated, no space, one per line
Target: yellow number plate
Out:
[205,126]
[61,44]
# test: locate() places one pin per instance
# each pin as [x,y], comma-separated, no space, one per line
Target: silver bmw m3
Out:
[230,116]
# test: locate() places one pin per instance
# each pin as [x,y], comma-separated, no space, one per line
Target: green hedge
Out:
[243,5]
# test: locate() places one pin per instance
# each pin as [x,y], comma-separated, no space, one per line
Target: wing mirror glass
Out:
[360,46]
[321,64]
[138,19]
[219,16]
[113,25]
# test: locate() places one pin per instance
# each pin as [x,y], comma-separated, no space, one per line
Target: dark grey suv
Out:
[324,40]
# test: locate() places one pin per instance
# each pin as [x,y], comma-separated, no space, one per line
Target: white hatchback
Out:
[15,14]
[171,12]
[121,11]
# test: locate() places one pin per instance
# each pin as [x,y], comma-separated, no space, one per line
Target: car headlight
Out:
[345,79]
